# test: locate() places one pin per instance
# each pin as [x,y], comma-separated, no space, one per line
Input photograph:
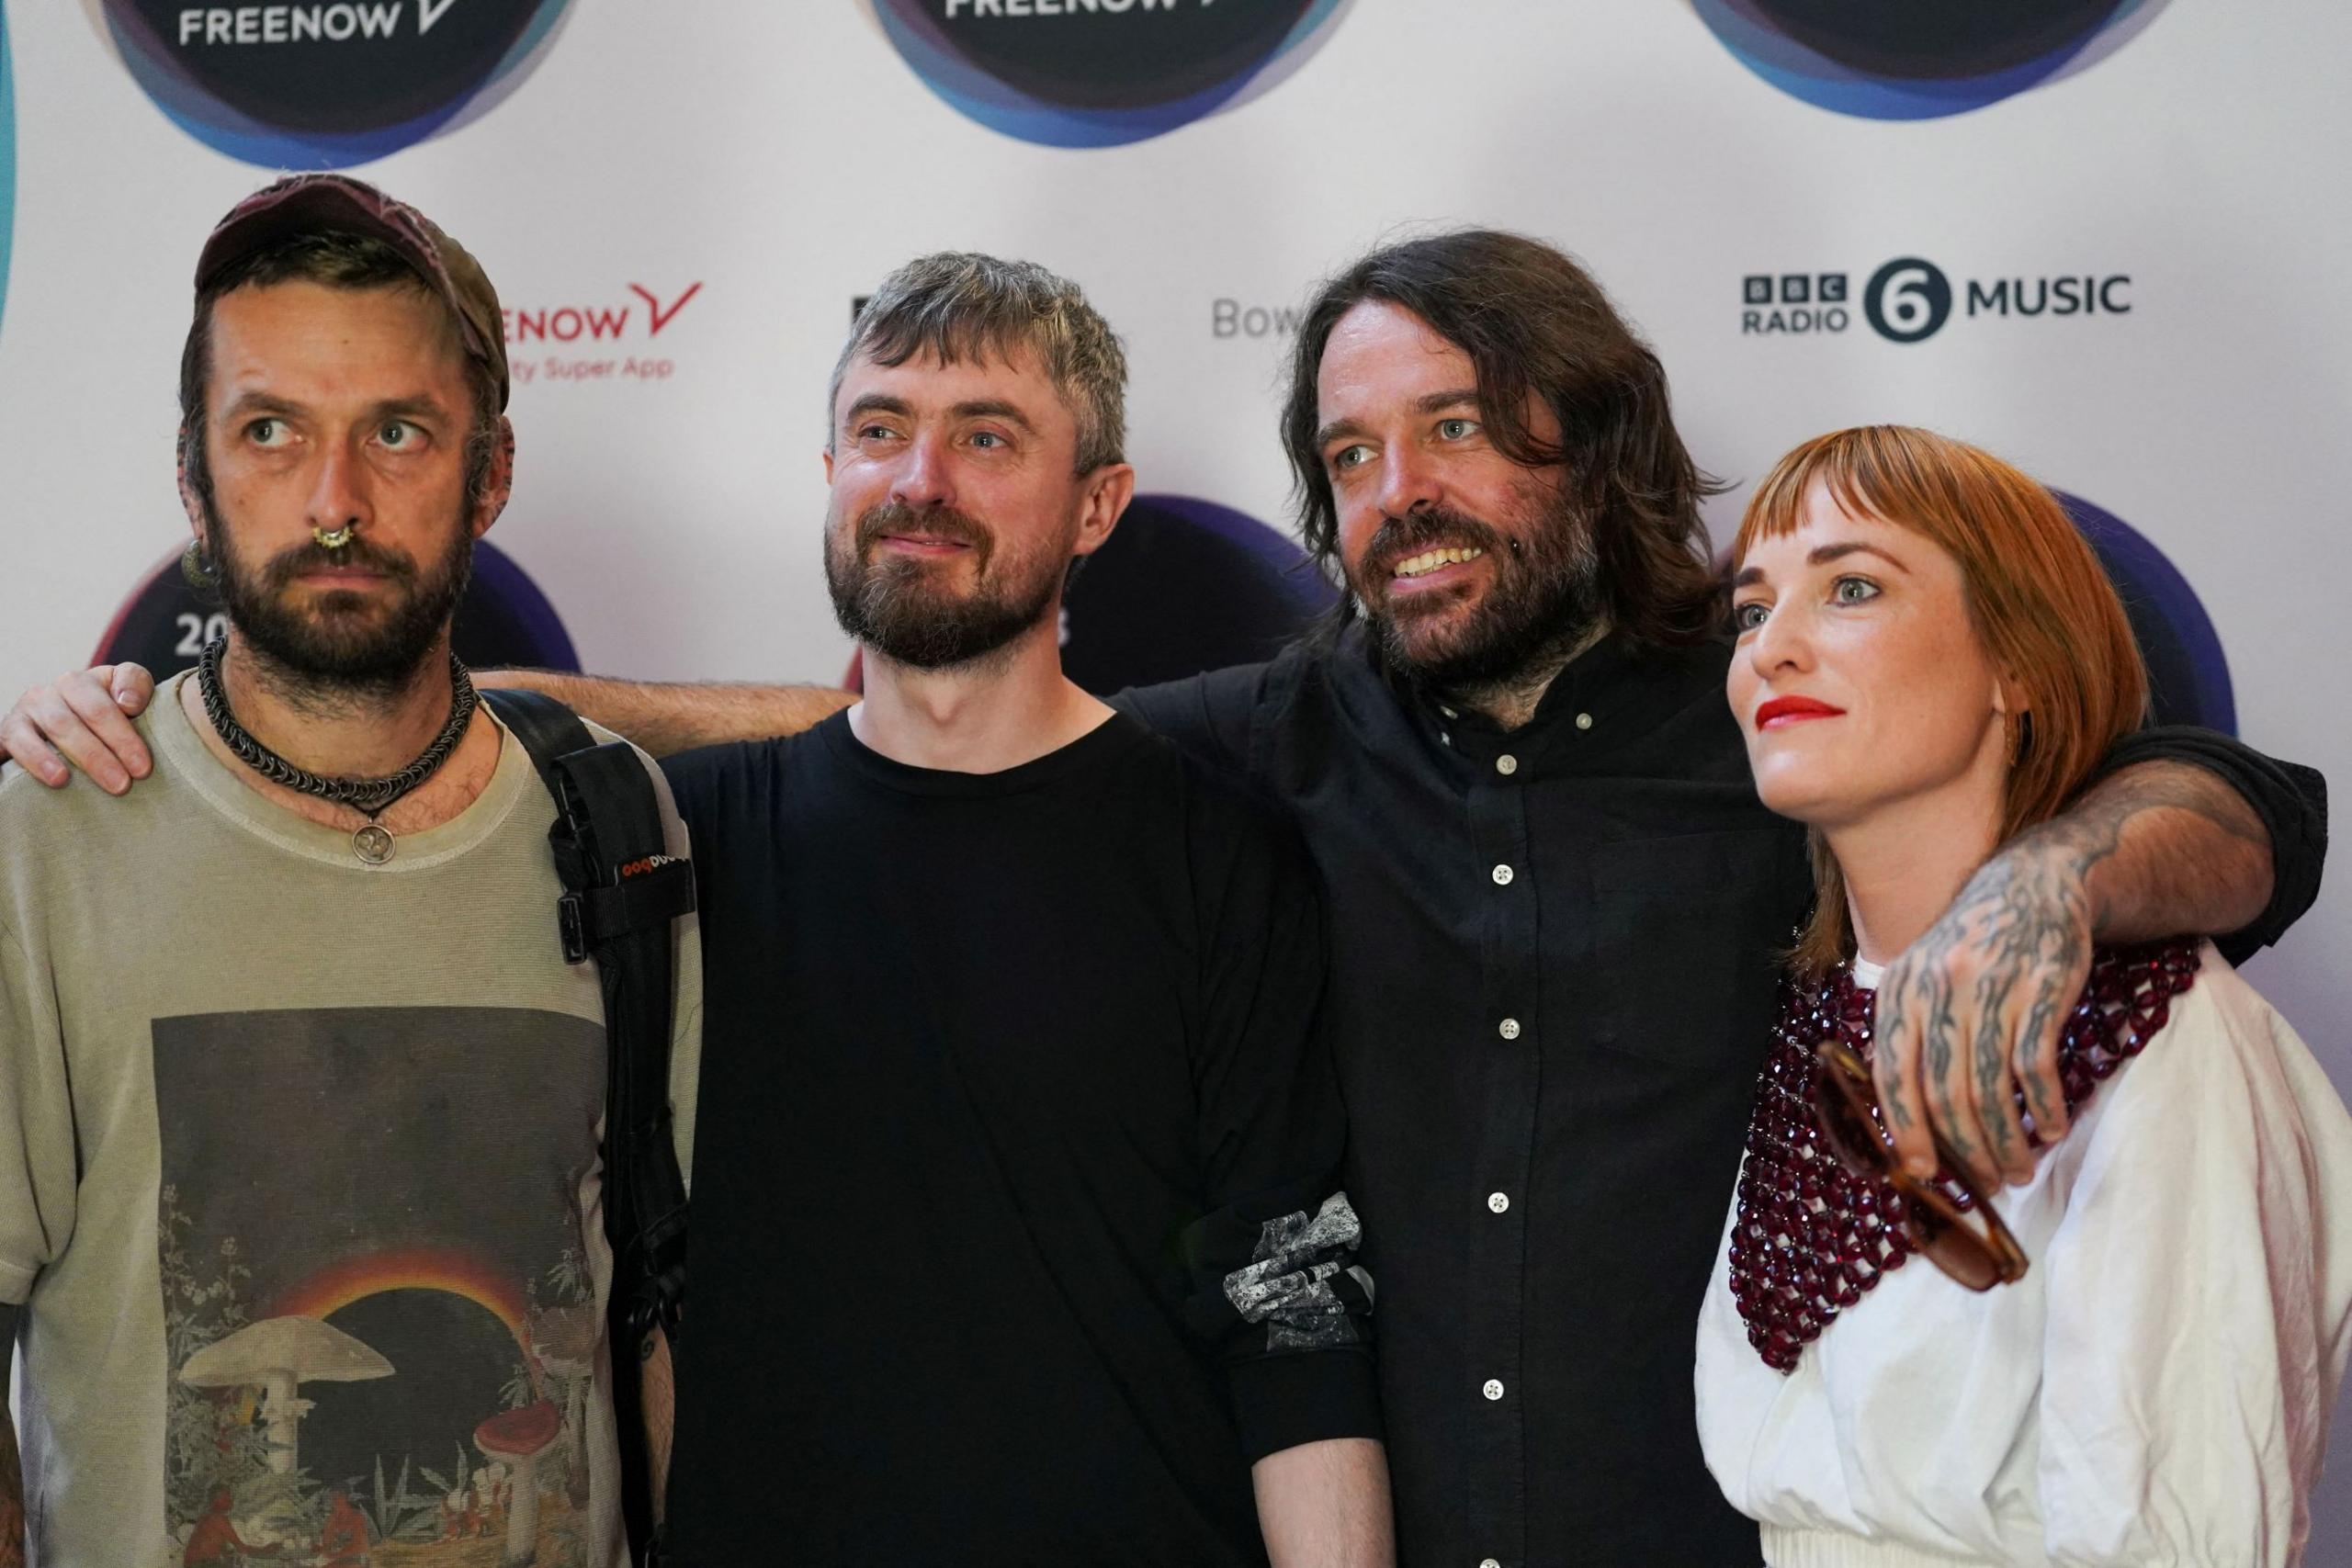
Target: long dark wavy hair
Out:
[1532,319]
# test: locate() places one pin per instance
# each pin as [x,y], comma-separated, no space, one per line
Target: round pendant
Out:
[372,844]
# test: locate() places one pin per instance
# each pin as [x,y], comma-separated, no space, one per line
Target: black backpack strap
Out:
[621,890]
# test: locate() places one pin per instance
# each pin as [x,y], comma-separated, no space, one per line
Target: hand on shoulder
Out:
[81,722]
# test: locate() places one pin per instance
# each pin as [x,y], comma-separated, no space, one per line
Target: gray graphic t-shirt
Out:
[299,1179]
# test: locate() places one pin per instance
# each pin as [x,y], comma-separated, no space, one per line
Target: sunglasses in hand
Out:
[1967,1240]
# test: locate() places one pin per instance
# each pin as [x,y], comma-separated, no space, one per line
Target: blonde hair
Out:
[2043,606]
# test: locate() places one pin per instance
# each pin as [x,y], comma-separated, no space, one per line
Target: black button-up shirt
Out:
[1554,953]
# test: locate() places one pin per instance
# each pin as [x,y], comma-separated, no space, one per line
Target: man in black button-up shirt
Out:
[1558,905]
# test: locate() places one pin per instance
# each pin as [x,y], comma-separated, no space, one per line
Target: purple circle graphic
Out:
[1102,72]
[2189,676]
[1185,585]
[1921,59]
[328,84]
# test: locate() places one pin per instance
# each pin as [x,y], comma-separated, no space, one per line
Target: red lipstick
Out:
[1789,710]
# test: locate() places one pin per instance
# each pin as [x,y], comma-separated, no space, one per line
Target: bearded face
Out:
[933,587]
[1462,602]
[361,644]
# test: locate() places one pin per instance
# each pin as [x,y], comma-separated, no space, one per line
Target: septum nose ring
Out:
[337,539]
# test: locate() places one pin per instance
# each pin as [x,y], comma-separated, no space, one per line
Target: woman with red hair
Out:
[2132,1357]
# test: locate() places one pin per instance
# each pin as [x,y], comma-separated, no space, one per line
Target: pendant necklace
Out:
[370,797]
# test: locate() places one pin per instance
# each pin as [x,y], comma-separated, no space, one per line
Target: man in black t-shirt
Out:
[1017,1230]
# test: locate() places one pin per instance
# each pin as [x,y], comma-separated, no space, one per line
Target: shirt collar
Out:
[1589,693]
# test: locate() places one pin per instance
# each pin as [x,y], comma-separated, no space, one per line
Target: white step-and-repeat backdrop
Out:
[2105,237]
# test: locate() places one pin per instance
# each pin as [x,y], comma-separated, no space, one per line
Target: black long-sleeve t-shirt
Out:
[1554,957]
[1017,1141]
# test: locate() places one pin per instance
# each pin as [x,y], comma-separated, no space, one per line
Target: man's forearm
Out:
[2164,849]
[666,718]
[1326,1506]
[659,1394]
[12,1477]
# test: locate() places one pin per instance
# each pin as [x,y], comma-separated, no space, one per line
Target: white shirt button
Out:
[1508,1028]
[1584,721]
[1493,1389]
[1498,1202]
[1503,876]
[1506,764]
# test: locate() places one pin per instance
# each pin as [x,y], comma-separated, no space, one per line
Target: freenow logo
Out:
[596,340]
[1919,59]
[1103,72]
[8,162]
[1910,298]
[327,83]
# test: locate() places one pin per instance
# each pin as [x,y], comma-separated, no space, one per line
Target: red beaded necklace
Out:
[1811,1238]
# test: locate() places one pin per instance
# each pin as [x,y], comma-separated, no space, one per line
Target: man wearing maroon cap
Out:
[299,1192]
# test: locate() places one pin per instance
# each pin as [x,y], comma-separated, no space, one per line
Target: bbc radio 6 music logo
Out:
[1103,72]
[1919,59]
[327,83]
[1910,300]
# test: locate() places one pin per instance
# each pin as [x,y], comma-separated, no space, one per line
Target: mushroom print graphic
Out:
[280,1354]
[518,1438]
[564,1339]
[339,1319]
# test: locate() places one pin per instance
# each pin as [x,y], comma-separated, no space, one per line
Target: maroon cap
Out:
[309,203]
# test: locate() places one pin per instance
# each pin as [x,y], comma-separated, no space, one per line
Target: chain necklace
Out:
[370,797]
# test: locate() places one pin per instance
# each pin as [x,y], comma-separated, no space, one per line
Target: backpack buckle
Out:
[572,927]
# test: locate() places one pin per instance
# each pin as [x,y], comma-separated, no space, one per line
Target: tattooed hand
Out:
[1973,1008]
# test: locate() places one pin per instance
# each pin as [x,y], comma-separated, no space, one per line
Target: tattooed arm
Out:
[1974,1006]
[12,1479]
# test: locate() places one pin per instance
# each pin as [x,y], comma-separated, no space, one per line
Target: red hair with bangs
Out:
[2041,604]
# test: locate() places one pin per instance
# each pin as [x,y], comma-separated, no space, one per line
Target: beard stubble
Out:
[1545,597]
[902,608]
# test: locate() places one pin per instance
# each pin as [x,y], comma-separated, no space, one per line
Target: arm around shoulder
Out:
[1211,716]
[2210,836]
[666,718]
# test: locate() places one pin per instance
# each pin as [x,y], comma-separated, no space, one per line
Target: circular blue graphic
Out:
[2188,677]
[1921,59]
[328,84]
[1185,585]
[1102,72]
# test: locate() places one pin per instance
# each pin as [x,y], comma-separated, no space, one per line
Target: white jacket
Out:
[2154,1392]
